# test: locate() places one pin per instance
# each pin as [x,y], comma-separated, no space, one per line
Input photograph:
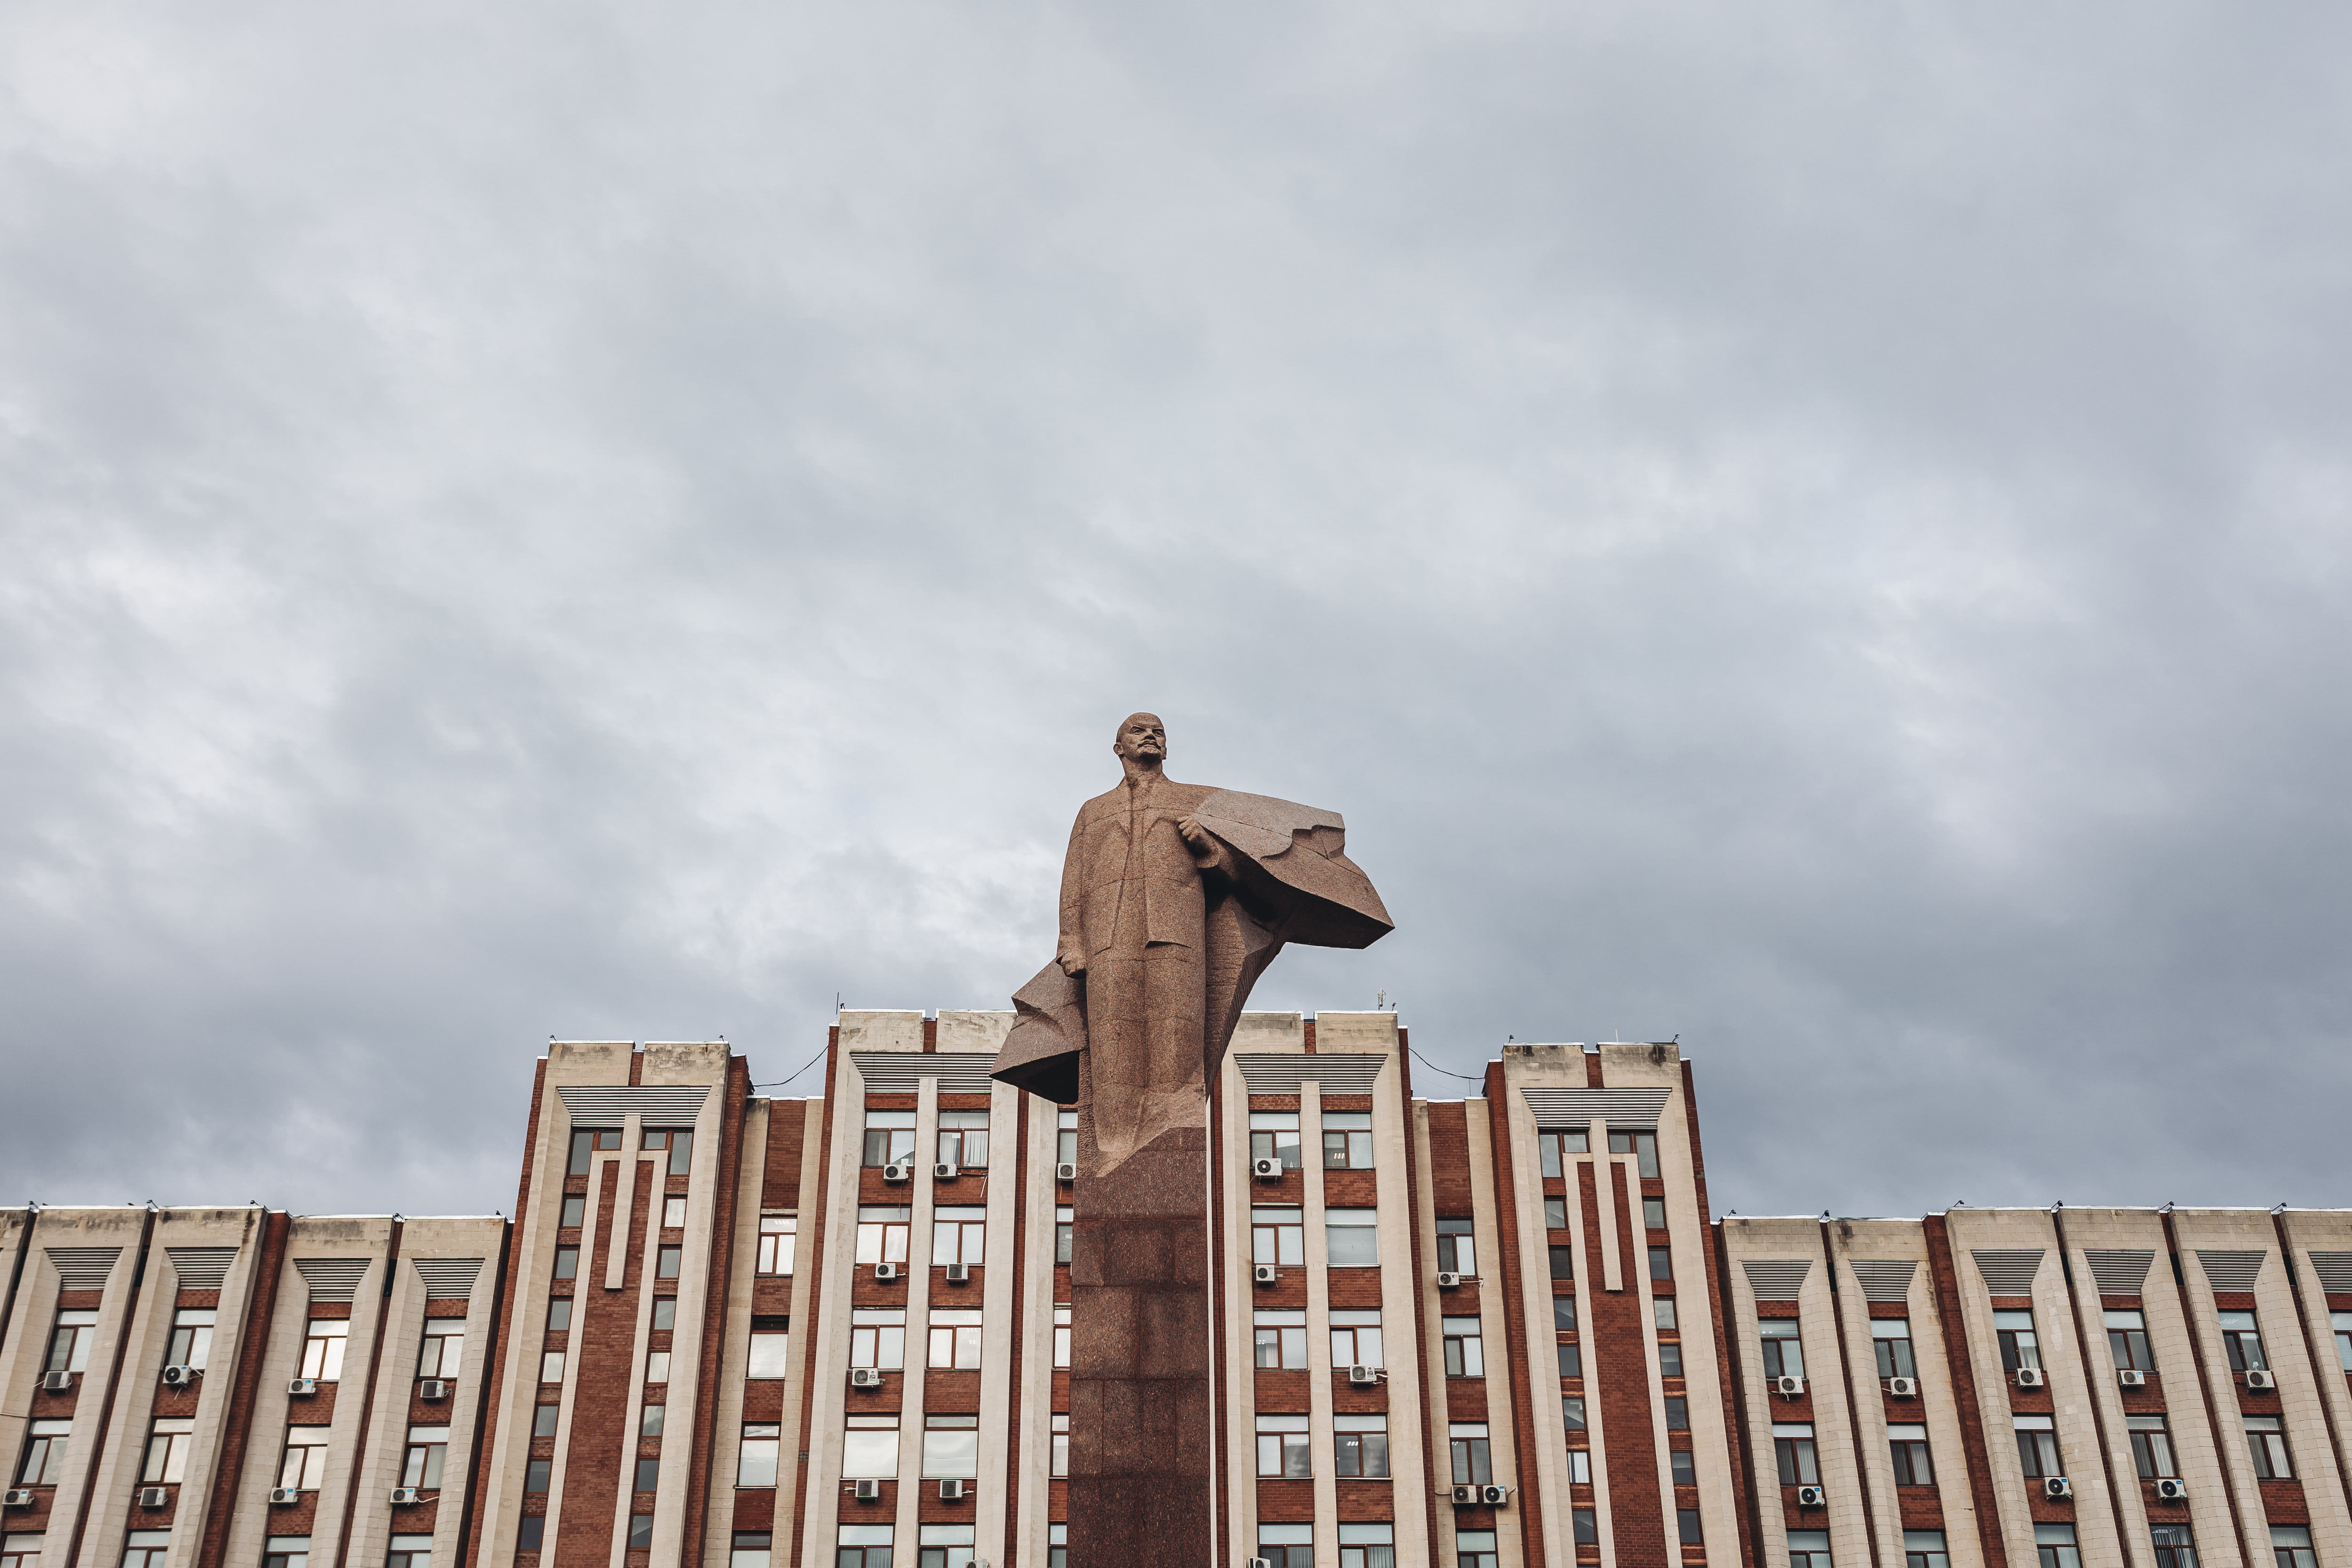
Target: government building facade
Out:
[722,1330]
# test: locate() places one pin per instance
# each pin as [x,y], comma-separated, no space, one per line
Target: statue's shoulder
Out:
[1111,801]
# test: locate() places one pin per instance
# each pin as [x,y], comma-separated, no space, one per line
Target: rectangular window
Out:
[678,1141]
[1563,1314]
[544,1419]
[1784,1352]
[322,1349]
[1662,1263]
[1583,1524]
[665,1313]
[551,1366]
[1057,1546]
[1809,1548]
[45,1453]
[1457,1250]
[1571,1411]
[1064,1232]
[776,1237]
[2151,1447]
[1924,1549]
[955,1339]
[1553,1148]
[1282,1448]
[410,1551]
[641,1531]
[963,1139]
[869,1448]
[770,1350]
[1360,1446]
[959,1234]
[1466,1351]
[23,1550]
[648,1475]
[2037,1447]
[559,1314]
[882,1235]
[573,1213]
[1274,1135]
[1891,1338]
[2244,1340]
[1473,1462]
[1368,1546]
[567,1262]
[69,1342]
[1654,1214]
[667,1260]
[2291,1546]
[192,1337]
[1686,1521]
[2054,1545]
[1347,1140]
[1792,1445]
[864,1546]
[2342,1323]
[1670,1358]
[658,1366]
[428,1447]
[890,1137]
[2018,1348]
[1555,1214]
[1639,1142]
[1563,1261]
[755,1455]
[673,1213]
[951,1446]
[1475,1548]
[1681,1462]
[877,1338]
[168,1442]
[1350,1238]
[943,1546]
[1572,1360]
[536,1472]
[1356,1339]
[1661,1314]
[304,1465]
[751,1548]
[1286,1545]
[443,1348]
[1065,1138]
[146,1549]
[2267,1440]
[1908,1446]
[1061,1450]
[2175,1547]
[585,1140]
[1278,1236]
[277,1552]
[651,1419]
[2127,1341]
[1062,1335]
[1281,1338]
[1677,1414]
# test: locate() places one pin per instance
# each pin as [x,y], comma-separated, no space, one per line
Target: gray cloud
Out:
[1824,534]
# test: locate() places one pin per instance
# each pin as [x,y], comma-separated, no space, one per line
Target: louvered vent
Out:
[1775,1278]
[2227,1271]
[2334,1271]
[333,1278]
[2119,1270]
[667,1105]
[902,1072]
[2009,1270]
[1885,1279]
[1582,1107]
[201,1267]
[1340,1072]
[82,1268]
[447,1279]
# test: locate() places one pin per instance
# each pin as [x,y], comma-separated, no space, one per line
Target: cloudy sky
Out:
[1823,530]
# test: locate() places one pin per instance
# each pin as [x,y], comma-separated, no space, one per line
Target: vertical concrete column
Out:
[617,1255]
[919,1304]
[999,1332]
[1318,1323]
[1493,1306]
[1612,1267]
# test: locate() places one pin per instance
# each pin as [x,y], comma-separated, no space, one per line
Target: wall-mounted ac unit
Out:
[17,1496]
[946,1171]
[2131,1377]
[1267,1170]
[958,1273]
[56,1381]
[1067,1171]
[1363,1376]
[2032,1377]
[1493,1497]
[888,1270]
[864,1377]
[1259,1562]
[434,1388]
[1787,1387]
[302,1387]
[868,1491]
[1449,1281]
[1264,1274]
[154,1497]
[1466,1497]
[951,1491]
[405,1497]
[1903,1387]
[1811,1496]
[899,1171]
[281,1496]
[179,1376]
[2172,1491]
[2257,1378]
[2056,1487]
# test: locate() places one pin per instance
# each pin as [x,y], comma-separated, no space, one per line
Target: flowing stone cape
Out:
[1292,882]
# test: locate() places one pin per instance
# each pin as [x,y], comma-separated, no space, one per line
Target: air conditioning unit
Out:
[903,1170]
[2056,1487]
[281,1496]
[1449,1281]
[1903,1387]
[154,1497]
[951,1491]
[1363,1376]
[1259,1562]
[2132,1377]
[1787,1387]
[1067,1171]
[958,1273]
[403,1497]
[17,1496]
[1264,1274]
[179,1376]
[2032,1377]
[1267,1170]
[1812,1496]
[888,1270]
[864,1377]
[1495,1497]
[2172,1491]
[433,1388]
[1466,1497]
[946,1171]
[56,1381]
[302,1387]
[868,1491]
[2257,1378]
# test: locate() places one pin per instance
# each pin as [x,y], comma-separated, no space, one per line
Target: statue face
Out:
[1143,736]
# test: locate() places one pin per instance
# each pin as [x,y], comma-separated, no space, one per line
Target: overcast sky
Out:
[1821,530]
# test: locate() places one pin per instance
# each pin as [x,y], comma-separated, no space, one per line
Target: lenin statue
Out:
[1175,898]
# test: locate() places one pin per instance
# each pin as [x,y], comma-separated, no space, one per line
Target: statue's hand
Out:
[1073,962]
[1205,849]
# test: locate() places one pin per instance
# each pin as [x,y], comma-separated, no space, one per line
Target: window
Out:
[1572,1360]
[2127,1341]
[1677,1414]
[890,1137]
[1563,1314]
[559,1314]
[587,1138]
[1475,1548]
[2268,1440]
[2151,1447]
[776,1237]
[2055,1544]
[1347,1140]
[658,1366]
[1457,1252]
[20,1551]
[673,1213]
[1890,1337]
[955,1339]
[1662,1263]
[2342,1323]
[1368,1546]
[877,1337]
[864,1546]
[1466,1353]
[1686,1521]
[651,1419]
[551,1366]
[1640,1143]
[567,1263]
[1680,1462]
[544,1419]
[305,1464]
[1061,1445]
[323,1348]
[1924,1549]
[168,1442]
[444,1350]
[678,1140]
[1281,1338]
[750,1549]
[1555,1214]
[1670,1358]
[428,1447]
[755,1456]
[1809,1548]
[1064,1232]
[1474,1463]
[2018,1348]
[1552,1149]
[192,1337]
[2244,1340]
[869,1448]
[1065,1138]
[951,1446]
[536,1473]
[1062,1335]
[665,1313]
[1350,1238]
[45,1453]
[573,1213]
[666,1262]
[1282,1448]
[1278,1236]
[286,1552]
[959,1234]
[648,1475]
[1662,1314]
[943,1546]
[69,1342]
[1908,1445]
[1274,1135]
[1563,1261]
[2175,1547]
[882,1235]
[1360,1446]
[1582,1523]
[963,1139]
[1286,1545]
[2291,1545]
[641,1531]
[1654,1214]
[1571,1411]
[2037,1447]
[1057,1546]
[1356,1339]
[148,1548]
[1784,1353]
[1792,1445]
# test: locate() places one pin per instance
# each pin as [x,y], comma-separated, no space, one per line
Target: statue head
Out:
[1143,741]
